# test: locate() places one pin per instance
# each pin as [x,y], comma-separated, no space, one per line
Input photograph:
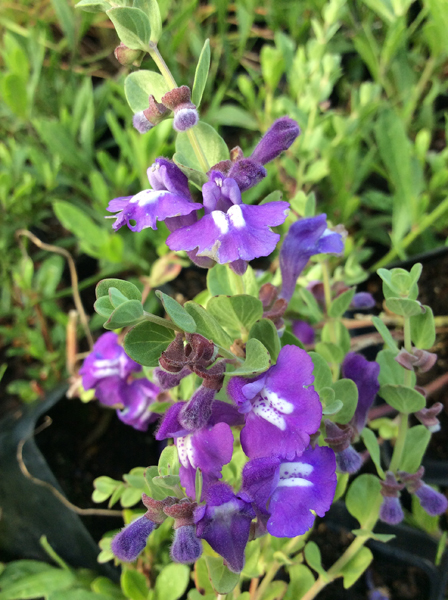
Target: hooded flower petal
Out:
[304,239]
[163,174]
[278,138]
[220,193]
[139,396]
[149,206]
[296,487]
[224,522]
[241,233]
[281,412]
[365,375]
[206,449]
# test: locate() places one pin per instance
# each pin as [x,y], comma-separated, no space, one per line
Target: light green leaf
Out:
[127,314]
[404,399]
[213,145]
[93,6]
[314,559]
[132,26]
[363,497]
[145,343]
[221,280]
[321,372]
[356,566]
[257,360]
[371,443]
[116,297]
[128,289]
[14,94]
[330,352]
[235,312]
[151,9]
[341,303]
[346,391]
[90,235]
[155,491]
[385,334]
[178,314]
[390,371]
[169,461]
[265,331]
[207,325]
[141,84]
[301,580]
[64,13]
[172,582]
[423,330]
[103,306]
[201,74]
[417,440]
[404,306]
[198,178]
[223,580]
[38,584]
[133,584]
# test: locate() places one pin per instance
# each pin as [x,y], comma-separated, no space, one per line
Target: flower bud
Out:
[390,510]
[348,460]
[428,417]
[131,540]
[278,138]
[433,502]
[146,119]
[128,57]
[186,547]
[185,112]
[362,300]
[421,359]
[339,438]
[168,380]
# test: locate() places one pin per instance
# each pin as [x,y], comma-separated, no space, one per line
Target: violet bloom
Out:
[224,522]
[303,332]
[304,239]
[362,300]
[208,448]
[106,370]
[131,540]
[169,198]
[281,407]
[230,232]
[138,397]
[390,509]
[286,491]
[432,501]
[365,375]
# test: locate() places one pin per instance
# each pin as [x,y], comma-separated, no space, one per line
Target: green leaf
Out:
[132,26]
[198,178]
[64,13]
[207,325]
[276,589]
[385,334]
[93,6]
[14,94]
[289,339]
[90,235]
[178,314]
[223,580]
[172,582]
[169,461]
[146,342]
[266,332]
[423,330]
[130,497]
[252,566]
[221,280]
[404,399]
[116,297]
[330,352]
[201,74]
[141,84]
[356,566]
[417,440]
[346,391]
[314,559]
[321,372]
[235,312]
[301,580]
[129,290]
[37,584]
[371,443]
[332,408]
[213,145]
[133,584]
[363,497]
[103,306]
[404,306]
[341,333]
[170,482]
[127,314]
[341,485]
[390,370]
[341,303]
[257,360]
[310,301]
[151,9]
[155,491]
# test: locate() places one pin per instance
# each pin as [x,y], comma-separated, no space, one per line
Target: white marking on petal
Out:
[290,473]
[283,406]
[185,450]
[218,181]
[236,216]
[262,408]
[220,221]
[146,197]
[106,367]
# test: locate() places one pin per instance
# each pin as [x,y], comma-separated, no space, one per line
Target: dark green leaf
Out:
[257,360]
[129,290]
[346,391]
[127,314]
[38,584]
[371,443]
[404,399]
[151,9]
[201,74]
[103,306]
[198,178]
[146,342]
[155,491]
[178,314]
[141,84]
[207,325]
[132,26]
[266,332]
[289,339]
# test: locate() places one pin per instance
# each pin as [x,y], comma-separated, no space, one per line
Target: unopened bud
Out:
[390,510]
[428,417]
[186,547]
[185,112]
[128,57]
[146,119]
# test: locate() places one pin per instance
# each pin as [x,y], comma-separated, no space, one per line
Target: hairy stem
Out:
[168,76]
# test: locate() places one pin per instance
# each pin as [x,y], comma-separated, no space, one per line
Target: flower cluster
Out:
[107,370]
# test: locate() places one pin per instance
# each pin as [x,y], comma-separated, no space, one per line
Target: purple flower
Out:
[186,547]
[286,491]
[138,397]
[230,231]
[106,370]
[365,375]
[303,332]
[362,300]
[224,522]
[339,440]
[433,502]
[281,407]
[208,448]
[390,509]
[304,239]
[131,540]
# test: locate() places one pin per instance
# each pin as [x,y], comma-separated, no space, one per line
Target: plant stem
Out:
[164,70]
[221,597]
[335,570]
[160,321]
[270,574]
[425,222]
[330,321]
